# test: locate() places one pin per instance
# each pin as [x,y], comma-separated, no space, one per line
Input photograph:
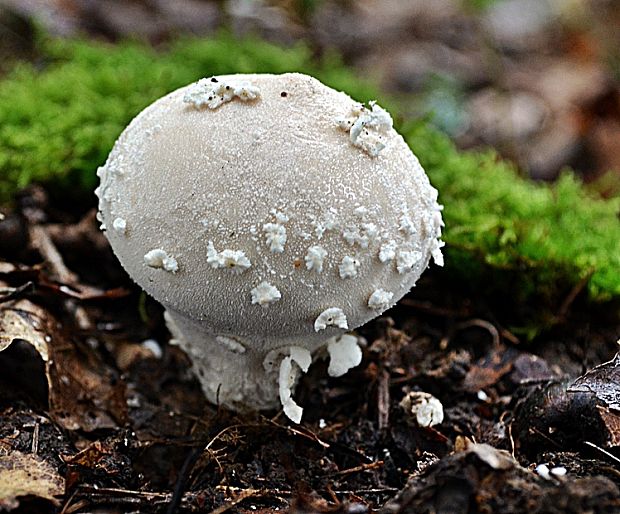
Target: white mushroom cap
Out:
[277,199]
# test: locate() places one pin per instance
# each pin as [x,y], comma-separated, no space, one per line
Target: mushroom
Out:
[269,214]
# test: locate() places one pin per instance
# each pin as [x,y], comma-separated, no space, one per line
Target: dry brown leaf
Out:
[84,392]
[611,423]
[24,474]
[21,320]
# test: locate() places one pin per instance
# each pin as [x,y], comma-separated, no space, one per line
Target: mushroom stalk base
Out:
[230,373]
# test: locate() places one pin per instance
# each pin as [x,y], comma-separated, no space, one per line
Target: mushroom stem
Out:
[245,375]
[230,373]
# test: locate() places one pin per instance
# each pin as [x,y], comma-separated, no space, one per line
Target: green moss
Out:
[59,123]
[552,235]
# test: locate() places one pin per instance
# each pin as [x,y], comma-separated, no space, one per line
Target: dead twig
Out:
[43,243]
[34,447]
[433,309]
[13,293]
[603,451]
[307,434]
[244,494]
[572,295]
[179,486]
[481,323]
[356,469]
[383,400]
[379,490]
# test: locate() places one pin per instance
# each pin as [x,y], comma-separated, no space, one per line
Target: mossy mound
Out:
[59,123]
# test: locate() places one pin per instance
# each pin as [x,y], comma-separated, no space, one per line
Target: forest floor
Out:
[98,413]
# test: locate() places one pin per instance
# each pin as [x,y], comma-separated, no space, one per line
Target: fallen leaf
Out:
[24,474]
[21,320]
[603,381]
[84,392]
[611,424]
[490,369]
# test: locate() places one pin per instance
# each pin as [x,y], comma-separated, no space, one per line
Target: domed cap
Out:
[269,208]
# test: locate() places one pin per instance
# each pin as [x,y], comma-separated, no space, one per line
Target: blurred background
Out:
[539,80]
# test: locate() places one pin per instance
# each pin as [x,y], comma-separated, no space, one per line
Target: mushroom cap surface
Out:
[257,216]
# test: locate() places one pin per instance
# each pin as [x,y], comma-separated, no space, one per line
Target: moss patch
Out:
[59,123]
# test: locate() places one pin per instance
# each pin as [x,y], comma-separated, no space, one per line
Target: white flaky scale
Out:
[406,260]
[275,236]
[120,225]
[314,258]
[211,92]
[158,258]
[265,294]
[387,252]
[332,317]
[436,252]
[279,215]
[232,260]
[367,127]
[380,300]
[361,236]
[348,267]
[406,224]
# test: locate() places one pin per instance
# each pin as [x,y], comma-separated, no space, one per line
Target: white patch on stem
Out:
[287,379]
[344,354]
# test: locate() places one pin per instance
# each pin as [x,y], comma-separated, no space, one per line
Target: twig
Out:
[383,400]
[507,334]
[43,243]
[246,493]
[305,434]
[12,293]
[179,486]
[361,467]
[546,437]
[604,452]
[381,490]
[570,298]
[68,508]
[34,447]
[235,489]
[481,323]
